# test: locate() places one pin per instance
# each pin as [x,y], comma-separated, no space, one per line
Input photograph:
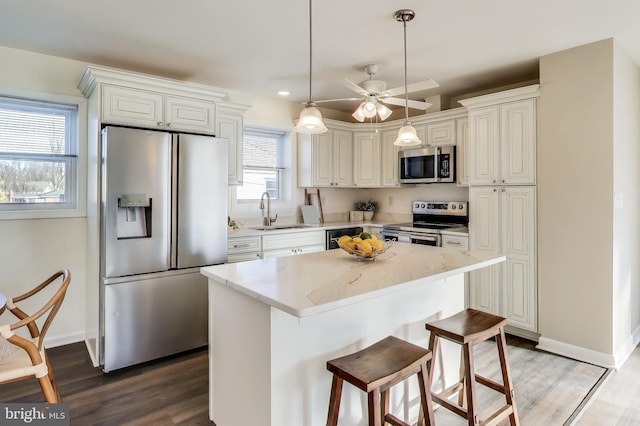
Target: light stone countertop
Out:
[308,284]
[247,231]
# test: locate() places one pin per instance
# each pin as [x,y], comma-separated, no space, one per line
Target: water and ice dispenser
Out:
[134,216]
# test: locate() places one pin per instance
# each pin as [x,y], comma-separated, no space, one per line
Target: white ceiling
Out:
[261,47]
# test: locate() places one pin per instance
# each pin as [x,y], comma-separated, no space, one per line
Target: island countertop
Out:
[309,284]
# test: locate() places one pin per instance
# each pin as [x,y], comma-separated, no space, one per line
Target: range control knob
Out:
[453,207]
[461,207]
[422,206]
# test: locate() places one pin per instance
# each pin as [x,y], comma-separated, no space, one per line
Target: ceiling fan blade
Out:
[413,87]
[353,86]
[339,99]
[412,104]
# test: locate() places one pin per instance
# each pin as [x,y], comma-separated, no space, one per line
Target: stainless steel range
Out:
[429,219]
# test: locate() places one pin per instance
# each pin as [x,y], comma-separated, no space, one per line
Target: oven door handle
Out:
[425,237]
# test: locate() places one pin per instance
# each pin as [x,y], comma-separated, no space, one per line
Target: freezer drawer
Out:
[151,318]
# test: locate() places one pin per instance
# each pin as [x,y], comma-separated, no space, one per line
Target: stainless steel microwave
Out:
[428,165]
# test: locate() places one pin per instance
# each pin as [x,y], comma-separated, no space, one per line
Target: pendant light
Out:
[407,135]
[310,120]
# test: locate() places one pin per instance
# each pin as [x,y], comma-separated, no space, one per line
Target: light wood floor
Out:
[174,390]
[617,401]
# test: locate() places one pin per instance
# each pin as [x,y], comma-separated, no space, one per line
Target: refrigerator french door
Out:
[163,216]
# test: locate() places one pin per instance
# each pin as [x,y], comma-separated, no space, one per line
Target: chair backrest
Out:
[52,306]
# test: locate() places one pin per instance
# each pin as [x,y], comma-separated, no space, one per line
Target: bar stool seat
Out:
[468,328]
[375,370]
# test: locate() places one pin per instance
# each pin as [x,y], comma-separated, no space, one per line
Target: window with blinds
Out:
[38,155]
[262,164]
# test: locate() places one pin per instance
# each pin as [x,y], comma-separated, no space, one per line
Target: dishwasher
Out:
[333,235]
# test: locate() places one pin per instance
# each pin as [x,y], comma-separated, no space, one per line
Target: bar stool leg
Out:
[506,377]
[431,365]
[469,384]
[384,409]
[426,402]
[374,407]
[334,401]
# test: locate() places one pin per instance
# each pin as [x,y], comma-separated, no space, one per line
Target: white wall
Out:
[31,250]
[587,249]
[626,183]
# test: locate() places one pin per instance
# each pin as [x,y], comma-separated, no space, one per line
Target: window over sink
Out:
[263,162]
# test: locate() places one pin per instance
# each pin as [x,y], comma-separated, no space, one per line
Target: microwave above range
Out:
[428,165]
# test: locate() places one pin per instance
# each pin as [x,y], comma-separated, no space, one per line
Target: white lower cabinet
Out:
[290,243]
[240,249]
[503,221]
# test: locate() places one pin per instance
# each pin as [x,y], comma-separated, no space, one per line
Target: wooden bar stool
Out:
[375,370]
[468,328]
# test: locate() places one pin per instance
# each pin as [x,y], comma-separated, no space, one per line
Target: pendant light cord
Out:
[310,52]
[406,95]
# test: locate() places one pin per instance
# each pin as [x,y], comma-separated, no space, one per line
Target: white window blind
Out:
[38,154]
[262,164]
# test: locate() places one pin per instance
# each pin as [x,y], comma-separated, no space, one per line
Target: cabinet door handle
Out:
[159,123]
[168,124]
[494,190]
[241,245]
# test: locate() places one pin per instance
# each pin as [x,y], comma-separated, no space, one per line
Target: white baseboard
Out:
[576,352]
[53,341]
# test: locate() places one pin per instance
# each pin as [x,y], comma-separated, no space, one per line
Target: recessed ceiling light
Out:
[284,93]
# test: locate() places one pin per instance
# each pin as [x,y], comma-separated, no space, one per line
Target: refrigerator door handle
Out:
[173,261]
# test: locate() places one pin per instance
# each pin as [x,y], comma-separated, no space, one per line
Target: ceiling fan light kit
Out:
[407,135]
[310,120]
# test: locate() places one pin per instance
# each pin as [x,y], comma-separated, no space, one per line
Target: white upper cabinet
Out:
[230,125]
[462,151]
[484,148]
[518,142]
[189,115]
[326,159]
[390,159]
[144,108]
[122,105]
[441,133]
[132,99]
[502,137]
[366,159]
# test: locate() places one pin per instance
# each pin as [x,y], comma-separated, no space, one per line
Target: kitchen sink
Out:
[275,227]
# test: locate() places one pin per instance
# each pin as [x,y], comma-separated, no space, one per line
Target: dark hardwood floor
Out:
[170,391]
[174,390]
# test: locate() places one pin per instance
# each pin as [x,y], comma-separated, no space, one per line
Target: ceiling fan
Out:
[374,95]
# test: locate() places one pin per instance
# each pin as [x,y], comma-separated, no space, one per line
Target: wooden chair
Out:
[468,328]
[375,370]
[29,359]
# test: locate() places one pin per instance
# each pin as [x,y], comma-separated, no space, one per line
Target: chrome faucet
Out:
[267,220]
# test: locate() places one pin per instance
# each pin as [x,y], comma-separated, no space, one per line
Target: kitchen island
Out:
[274,323]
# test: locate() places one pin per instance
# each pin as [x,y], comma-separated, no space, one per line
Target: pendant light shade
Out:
[407,135]
[310,120]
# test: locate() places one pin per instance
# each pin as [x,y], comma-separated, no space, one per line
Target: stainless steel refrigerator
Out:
[163,216]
